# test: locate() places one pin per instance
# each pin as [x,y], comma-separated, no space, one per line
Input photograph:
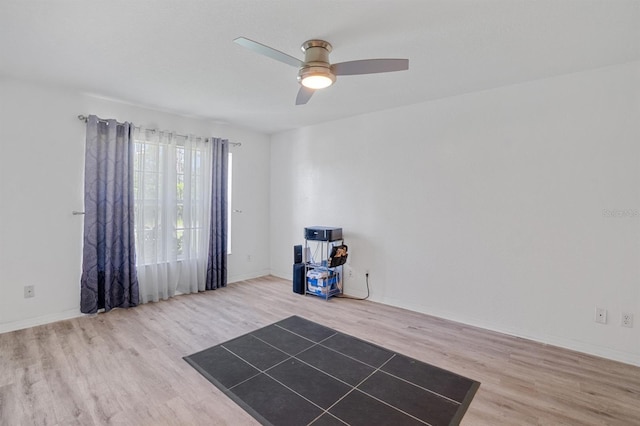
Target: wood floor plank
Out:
[126,368]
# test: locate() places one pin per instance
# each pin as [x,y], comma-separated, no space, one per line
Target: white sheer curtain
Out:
[172,194]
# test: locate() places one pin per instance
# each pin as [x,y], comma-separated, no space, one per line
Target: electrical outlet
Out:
[627,320]
[29,291]
[601,315]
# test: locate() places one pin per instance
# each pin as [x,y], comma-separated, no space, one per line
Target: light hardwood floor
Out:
[125,367]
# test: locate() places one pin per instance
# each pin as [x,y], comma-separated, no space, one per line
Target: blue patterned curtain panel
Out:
[109,279]
[217,264]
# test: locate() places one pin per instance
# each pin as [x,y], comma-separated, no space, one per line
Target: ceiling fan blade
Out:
[268,51]
[304,94]
[370,66]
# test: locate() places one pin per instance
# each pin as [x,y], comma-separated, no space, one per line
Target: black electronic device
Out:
[322,233]
[297,254]
[299,279]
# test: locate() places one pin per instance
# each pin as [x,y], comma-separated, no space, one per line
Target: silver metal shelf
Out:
[323,266]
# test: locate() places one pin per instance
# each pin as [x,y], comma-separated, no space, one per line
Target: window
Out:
[172,190]
[190,199]
[172,197]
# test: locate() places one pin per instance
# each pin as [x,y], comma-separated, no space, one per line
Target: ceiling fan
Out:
[316,72]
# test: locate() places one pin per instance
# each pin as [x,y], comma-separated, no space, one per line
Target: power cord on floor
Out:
[358,298]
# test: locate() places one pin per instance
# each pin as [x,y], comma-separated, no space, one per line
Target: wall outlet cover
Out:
[601,315]
[627,320]
[29,291]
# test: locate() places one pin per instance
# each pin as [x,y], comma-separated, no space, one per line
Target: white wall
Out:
[485,208]
[41,182]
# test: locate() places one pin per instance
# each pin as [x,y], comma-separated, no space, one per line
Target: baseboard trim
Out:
[247,276]
[582,347]
[284,275]
[74,313]
[41,320]
[603,352]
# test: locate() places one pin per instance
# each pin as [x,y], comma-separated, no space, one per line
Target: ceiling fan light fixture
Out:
[316,77]
[316,81]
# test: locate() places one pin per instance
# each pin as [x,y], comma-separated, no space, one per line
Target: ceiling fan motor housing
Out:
[316,60]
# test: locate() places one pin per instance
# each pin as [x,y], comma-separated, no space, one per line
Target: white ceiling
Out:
[180,56]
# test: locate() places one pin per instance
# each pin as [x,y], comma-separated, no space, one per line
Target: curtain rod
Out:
[85,119]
